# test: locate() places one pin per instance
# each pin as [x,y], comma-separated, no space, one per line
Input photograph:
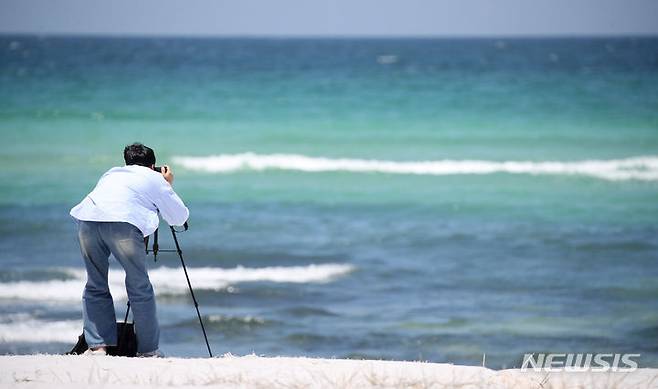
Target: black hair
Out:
[138,154]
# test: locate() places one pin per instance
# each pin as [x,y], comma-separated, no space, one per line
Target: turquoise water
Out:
[443,263]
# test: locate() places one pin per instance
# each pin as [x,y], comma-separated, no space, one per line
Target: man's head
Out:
[138,154]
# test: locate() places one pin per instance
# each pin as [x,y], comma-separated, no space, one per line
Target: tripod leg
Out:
[123,329]
[196,305]
[125,319]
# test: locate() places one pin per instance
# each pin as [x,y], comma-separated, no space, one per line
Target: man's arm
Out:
[171,207]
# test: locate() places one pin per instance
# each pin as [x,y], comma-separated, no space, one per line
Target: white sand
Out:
[78,372]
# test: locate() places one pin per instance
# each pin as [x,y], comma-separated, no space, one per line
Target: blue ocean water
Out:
[419,199]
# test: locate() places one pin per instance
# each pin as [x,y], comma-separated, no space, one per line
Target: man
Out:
[114,219]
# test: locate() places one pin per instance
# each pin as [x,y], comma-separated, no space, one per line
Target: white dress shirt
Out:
[133,194]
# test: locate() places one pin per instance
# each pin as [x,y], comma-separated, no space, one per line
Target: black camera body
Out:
[159,169]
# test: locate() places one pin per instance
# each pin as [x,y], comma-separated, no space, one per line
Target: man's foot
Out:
[96,351]
[153,354]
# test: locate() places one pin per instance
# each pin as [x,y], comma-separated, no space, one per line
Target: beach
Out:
[251,371]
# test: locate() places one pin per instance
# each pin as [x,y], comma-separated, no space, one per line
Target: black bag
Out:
[126,345]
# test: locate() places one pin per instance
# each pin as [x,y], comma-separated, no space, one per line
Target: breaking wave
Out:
[644,168]
[24,328]
[167,280]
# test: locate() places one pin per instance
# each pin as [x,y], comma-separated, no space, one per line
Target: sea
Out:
[452,200]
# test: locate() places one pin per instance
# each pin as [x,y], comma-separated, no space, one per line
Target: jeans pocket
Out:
[137,233]
[131,247]
[125,231]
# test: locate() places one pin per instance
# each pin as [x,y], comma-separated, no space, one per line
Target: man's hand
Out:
[168,174]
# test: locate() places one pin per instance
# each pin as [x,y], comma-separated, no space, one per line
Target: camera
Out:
[160,169]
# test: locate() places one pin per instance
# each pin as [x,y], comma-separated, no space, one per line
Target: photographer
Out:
[113,219]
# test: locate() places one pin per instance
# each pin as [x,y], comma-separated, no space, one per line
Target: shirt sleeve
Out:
[170,206]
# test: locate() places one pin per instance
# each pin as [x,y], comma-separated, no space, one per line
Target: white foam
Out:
[644,168]
[25,329]
[168,280]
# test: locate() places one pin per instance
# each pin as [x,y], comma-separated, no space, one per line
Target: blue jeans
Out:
[123,240]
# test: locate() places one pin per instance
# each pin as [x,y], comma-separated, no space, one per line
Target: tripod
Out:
[155,250]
